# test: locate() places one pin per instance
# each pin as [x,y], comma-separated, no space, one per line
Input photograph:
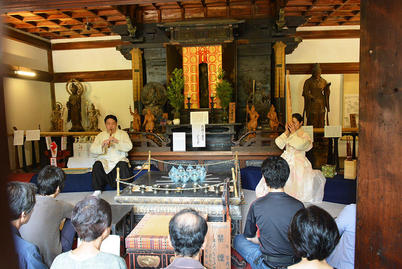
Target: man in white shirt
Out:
[111,146]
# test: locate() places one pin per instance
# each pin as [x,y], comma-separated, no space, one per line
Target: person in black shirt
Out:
[264,243]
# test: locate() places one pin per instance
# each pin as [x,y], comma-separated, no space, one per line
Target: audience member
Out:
[187,230]
[110,147]
[21,199]
[271,215]
[91,218]
[314,235]
[343,256]
[43,229]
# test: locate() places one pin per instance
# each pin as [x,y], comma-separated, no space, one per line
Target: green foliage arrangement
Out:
[175,91]
[224,90]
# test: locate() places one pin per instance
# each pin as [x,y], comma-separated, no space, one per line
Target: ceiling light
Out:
[25,73]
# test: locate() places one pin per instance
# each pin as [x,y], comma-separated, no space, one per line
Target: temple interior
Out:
[209,84]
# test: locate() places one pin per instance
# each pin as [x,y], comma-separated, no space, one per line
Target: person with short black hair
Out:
[271,215]
[187,230]
[91,218]
[304,183]
[21,200]
[43,229]
[314,235]
[111,147]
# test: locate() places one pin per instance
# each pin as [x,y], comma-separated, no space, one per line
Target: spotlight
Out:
[25,73]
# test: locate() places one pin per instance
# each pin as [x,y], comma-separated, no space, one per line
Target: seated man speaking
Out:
[111,146]
[271,215]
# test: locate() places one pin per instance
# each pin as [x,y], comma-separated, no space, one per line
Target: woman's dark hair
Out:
[113,117]
[187,230]
[313,233]
[49,178]
[275,171]
[298,117]
[91,217]
[21,198]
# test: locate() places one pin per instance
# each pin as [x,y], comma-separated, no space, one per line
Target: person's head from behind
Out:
[187,230]
[21,200]
[92,218]
[313,233]
[111,123]
[50,180]
[275,171]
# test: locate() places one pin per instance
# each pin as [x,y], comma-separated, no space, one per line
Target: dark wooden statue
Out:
[316,98]
[75,90]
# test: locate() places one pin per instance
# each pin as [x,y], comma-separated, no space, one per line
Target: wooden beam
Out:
[9,71]
[326,68]
[27,39]
[32,5]
[379,184]
[94,75]
[328,34]
[51,71]
[88,44]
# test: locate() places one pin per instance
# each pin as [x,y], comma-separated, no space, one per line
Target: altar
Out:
[219,137]
[155,192]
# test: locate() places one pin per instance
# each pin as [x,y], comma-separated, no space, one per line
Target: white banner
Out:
[198,132]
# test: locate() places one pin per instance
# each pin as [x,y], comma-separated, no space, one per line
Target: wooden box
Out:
[350,169]
[148,244]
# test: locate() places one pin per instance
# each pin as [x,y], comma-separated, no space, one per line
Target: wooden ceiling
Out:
[94,21]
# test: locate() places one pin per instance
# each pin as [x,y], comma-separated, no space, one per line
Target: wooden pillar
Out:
[8,256]
[279,92]
[51,72]
[379,186]
[136,66]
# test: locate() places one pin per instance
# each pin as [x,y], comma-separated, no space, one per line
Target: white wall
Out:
[27,102]
[326,51]
[21,54]
[335,98]
[110,97]
[323,51]
[89,60]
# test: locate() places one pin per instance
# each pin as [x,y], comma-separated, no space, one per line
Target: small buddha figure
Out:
[93,115]
[57,117]
[149,121]
[273,118]
[136,119]
[253,122]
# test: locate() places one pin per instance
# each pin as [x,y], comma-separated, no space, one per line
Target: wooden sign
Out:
[217,246]
[232,112]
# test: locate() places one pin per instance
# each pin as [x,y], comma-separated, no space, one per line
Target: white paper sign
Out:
[199,117]
[63,142]
[179,141]
[18,137]
[53,162]
[310,131]
[48,140]
[32,135]
[333,131]
[198,133]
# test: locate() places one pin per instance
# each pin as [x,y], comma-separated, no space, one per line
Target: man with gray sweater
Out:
[43,228]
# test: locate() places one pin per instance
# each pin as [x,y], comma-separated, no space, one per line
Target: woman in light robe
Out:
[304,183]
